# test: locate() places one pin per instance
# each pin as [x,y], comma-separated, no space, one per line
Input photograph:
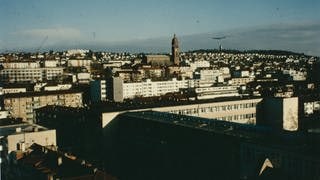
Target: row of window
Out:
[214,108]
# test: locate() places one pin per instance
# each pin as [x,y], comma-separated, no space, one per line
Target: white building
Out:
[98,90]
[30,74]
[233,110]
[199,64]
[147,88]
[215,92]
[20,136]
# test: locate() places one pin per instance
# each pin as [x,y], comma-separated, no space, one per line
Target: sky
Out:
[138,24]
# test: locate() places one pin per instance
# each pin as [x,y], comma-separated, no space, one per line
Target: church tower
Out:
[175,50]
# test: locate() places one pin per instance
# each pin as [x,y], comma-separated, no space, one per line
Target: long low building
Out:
[22,105]
[234,110]
[185,147]
[148,88]
[30,74]
[281,113]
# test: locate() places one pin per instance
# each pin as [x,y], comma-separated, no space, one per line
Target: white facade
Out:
[20,65]
[50,63]
[12,90]
[3,114]
[199,64]
[30,74]
[19,137]
[215,92]
[79,63]
[58,87]
[147,88]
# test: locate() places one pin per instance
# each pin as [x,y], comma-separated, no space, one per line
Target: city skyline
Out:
[148,25]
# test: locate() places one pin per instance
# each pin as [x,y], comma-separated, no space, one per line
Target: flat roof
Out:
[293,142]
[159,102]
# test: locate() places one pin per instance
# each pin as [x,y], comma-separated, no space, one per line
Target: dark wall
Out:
[145,149]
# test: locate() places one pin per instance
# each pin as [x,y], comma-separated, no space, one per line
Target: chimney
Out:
[18,129]
[59,161]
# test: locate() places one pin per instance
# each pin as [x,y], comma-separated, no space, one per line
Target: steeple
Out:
[175,50]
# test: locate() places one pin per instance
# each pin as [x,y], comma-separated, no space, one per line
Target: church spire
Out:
[175,50]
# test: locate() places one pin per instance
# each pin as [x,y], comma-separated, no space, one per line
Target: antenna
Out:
[219,38]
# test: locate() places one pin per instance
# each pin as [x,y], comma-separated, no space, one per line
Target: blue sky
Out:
[68,23]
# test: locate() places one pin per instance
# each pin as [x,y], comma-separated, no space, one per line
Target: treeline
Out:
[233,51]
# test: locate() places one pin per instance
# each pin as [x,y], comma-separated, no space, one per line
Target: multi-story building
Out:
[14,75]
[146,88]
[279,113]
[22,104]
[215,92]
[232,109]
[197,142]
[240,81]
[98,90]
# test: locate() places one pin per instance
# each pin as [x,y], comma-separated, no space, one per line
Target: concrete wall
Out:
[44,138]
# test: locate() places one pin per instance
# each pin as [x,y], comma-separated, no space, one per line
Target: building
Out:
[23,104]
[19,136]
[147,88]
[281,113]
[14,75]
[240,81]
[48,163]
[175,51]
[157,60]
[231,109]
[98,90]
[215,92]
[80,63]
[199,148]
[78,129]
[12,88]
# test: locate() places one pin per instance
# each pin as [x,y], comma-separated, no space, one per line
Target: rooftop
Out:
[293,142]
[42,93]
[61,165]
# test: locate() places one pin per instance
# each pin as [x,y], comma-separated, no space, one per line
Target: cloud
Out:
[303,37]
[59,33]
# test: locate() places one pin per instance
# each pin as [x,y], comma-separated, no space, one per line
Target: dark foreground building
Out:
[47,163]
[154,145]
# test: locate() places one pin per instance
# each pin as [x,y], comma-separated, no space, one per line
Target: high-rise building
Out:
[175,50]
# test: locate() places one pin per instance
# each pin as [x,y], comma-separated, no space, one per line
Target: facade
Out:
[80,63]
[23,104]
[146,88]
[215,92]
[98,90]
[9,90]
[157,60]
[281,113]
[78,129]
[241,81]
[14,75]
